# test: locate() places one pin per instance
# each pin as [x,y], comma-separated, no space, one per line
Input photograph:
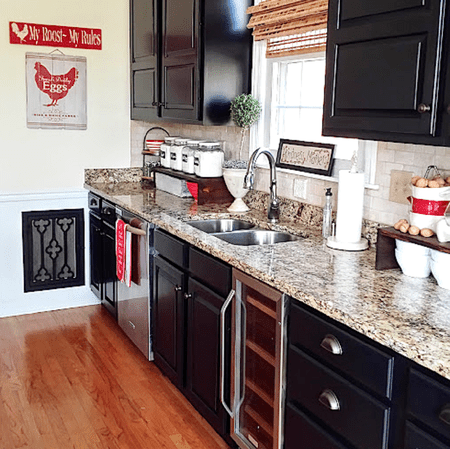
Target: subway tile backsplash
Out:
[377,207]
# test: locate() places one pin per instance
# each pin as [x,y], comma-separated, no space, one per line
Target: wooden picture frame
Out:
[310,157]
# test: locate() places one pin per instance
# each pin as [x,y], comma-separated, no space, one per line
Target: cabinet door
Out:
[383,76]
[168,316]
[95,249]
[203,354]
[144,59]
[109,296]
[180,78]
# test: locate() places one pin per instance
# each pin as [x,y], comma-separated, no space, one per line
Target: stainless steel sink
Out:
[220,225]
[256,237]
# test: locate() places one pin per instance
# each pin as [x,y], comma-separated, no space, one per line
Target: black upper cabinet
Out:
[386,68]
[189,59]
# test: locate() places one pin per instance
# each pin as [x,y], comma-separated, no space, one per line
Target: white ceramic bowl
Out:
[442,258]
[412,249]
[424,221]
[416,267]
[441,273]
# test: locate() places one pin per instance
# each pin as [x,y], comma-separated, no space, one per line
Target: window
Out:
[291,90]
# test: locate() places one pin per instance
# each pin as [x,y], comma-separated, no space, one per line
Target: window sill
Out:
[313,176]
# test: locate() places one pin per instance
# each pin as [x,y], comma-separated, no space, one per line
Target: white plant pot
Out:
[234,180]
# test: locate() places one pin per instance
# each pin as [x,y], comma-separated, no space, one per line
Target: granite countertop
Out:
[409,315]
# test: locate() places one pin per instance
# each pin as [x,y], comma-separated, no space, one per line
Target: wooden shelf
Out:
[267,398]
[261,352]
[268,428]
[385,258]
[262,307]
[210,190]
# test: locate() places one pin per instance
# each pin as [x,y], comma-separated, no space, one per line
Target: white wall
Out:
[44,169]
[35,159]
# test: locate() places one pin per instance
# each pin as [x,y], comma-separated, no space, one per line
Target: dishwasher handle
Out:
[135,231]
[222,351]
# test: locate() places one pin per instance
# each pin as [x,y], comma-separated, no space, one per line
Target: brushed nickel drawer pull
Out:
[329,399]
[132,324]
[331,344]
[444,414]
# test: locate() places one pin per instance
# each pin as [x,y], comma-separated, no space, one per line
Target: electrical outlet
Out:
[300,188]
[400,187]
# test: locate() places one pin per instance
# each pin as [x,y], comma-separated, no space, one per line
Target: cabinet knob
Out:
[444,414]
[178,288]
[329,399]
[187,295]
[331,344]
[423,108]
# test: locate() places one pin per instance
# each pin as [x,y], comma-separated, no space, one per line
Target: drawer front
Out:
[354,357]
[171,248]
[301,432]
[359,418]
[429,402]
[417,439]
[212,272]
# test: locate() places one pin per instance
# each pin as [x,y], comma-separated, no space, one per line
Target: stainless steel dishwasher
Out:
[133,303]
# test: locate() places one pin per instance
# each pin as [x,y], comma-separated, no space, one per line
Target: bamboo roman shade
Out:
[290,26]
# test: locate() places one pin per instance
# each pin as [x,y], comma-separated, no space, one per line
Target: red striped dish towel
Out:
[120,249]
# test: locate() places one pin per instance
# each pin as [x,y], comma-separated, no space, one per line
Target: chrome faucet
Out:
[273,210]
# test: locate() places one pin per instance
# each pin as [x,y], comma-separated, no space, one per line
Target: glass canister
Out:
[187,156]
[208,159]
[165,151]
[176,161]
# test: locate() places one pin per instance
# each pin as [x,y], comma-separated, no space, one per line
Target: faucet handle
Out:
[249,180]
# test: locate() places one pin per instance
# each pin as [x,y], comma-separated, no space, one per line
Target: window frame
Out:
[262,75]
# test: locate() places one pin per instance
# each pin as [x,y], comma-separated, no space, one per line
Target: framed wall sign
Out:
[309,157]
[56,91]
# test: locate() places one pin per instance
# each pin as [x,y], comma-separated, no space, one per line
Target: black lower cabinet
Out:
[203,353]
[190,288]
[168,320]
[103,263]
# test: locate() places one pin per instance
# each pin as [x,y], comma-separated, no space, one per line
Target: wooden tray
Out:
[210,190]
[385,258]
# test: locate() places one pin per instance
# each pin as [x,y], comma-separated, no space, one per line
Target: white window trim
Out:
[261,89]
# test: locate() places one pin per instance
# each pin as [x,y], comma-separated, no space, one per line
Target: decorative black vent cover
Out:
[53,249]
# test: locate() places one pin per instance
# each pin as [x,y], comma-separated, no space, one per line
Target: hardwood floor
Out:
[72,379]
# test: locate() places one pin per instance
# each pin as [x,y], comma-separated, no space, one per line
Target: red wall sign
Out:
[54,36]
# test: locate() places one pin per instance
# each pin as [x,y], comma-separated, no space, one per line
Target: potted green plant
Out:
[245,111]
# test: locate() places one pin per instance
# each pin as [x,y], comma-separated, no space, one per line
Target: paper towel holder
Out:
[362,245]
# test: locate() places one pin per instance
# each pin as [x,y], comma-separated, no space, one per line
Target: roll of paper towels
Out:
[350,207]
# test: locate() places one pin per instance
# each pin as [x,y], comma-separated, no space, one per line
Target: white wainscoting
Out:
[13,300]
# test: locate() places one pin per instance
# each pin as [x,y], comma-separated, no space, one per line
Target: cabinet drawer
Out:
[417,439]
[212,272]
[171,248]
[302,432]
[429,402]
[354,357]
[359,418]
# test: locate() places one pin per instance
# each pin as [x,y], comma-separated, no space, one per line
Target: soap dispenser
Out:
[327,214]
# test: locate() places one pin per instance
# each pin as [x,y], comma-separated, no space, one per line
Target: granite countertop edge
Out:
[408,315]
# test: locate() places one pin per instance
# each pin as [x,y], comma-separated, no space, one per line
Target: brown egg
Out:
[413,230]
[434,184]
[414,179]
[404,227]
[422,182]
[399,223]
[425,232]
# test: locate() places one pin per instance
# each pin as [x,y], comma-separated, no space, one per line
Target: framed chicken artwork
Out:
[56,91]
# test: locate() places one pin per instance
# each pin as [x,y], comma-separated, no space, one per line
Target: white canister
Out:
[208,159]
[176,160]
[187,156]
[165,151]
